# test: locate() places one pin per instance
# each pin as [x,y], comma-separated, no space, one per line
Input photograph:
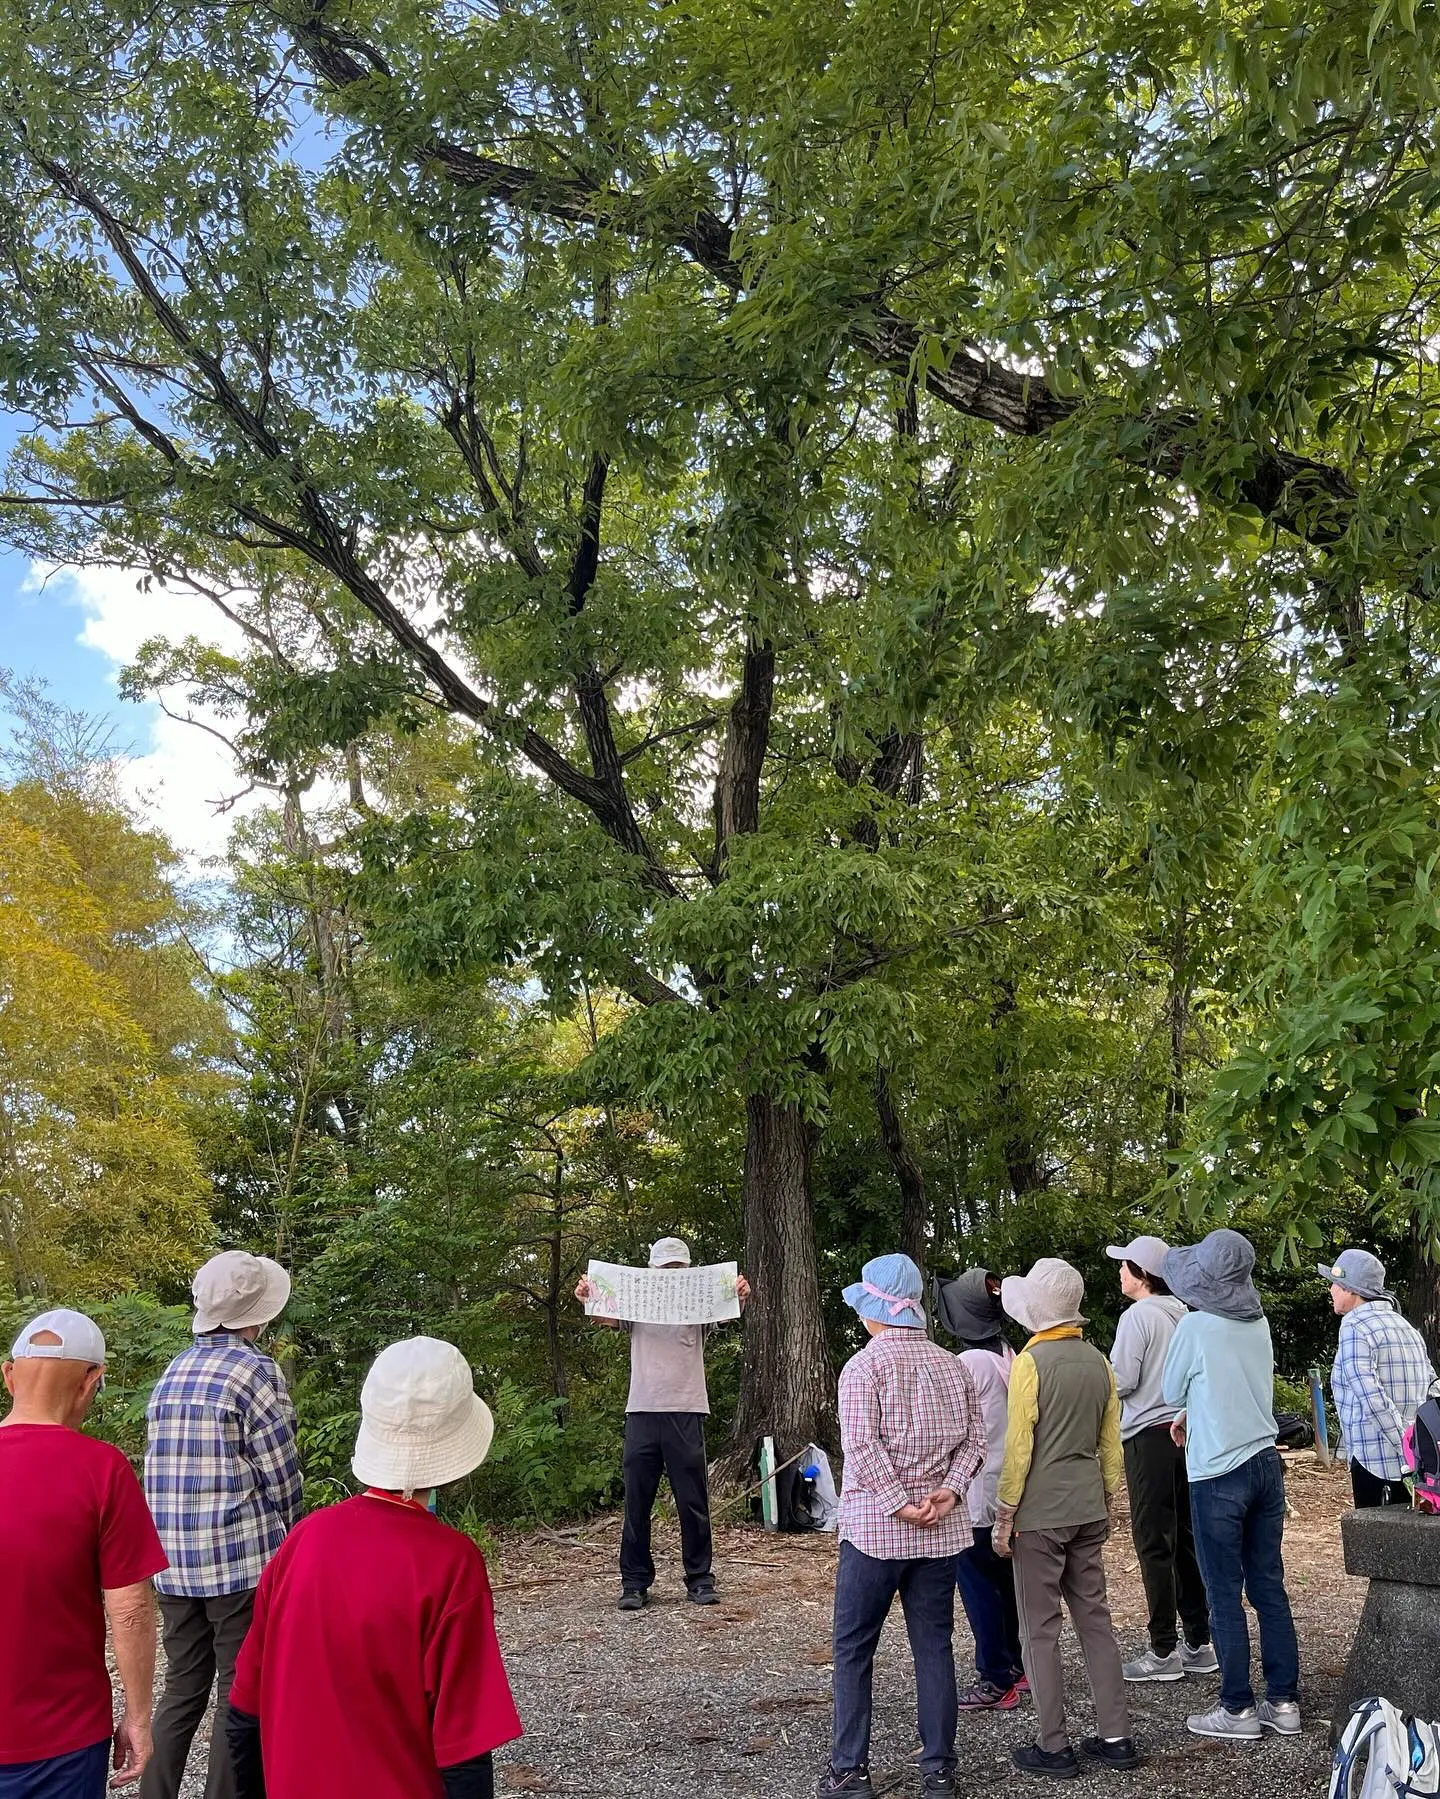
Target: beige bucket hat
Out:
[421,1421]
[1048,1296]
[235,1289]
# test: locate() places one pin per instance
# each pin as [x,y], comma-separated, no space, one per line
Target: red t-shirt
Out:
[73,1523]
[372,1662]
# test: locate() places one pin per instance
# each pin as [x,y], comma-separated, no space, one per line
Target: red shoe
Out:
[1022,1685]
[985,1696]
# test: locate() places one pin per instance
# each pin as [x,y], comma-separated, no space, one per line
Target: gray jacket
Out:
[1138,1359]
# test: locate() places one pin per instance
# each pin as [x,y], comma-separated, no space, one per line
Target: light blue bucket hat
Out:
[889,1292]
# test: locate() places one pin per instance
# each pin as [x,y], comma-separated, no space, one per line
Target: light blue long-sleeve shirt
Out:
[1221,1374]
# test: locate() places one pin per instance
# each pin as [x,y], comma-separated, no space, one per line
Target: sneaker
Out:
[1283,1717]
[1200,1660]
[985,1696]
[855,1782]
[1055,1764]
[633,1599]
[938,1786]
[1022,1682]
[703,1596]
[1149,1666]
[1242,1727]
[1122,1753]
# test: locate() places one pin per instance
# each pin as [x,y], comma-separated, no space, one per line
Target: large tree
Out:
[705,410]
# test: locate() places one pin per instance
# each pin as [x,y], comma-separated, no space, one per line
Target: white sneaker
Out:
[1199,1661]
[1150,1666]
[1283,1717]
[1240,1727]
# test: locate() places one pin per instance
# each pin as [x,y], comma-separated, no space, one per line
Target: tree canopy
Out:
[839,528]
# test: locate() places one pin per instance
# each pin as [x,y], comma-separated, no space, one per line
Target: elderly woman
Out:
[1062,1468]
[914,1439]
[372,1666]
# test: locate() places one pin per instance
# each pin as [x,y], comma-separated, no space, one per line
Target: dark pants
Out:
[1370,1490]
[202,1638]
[1164,1542]
[1239,1521]
[987,1591]
[865,1585]
[672,1443]
[79,1775]
[1068,1564]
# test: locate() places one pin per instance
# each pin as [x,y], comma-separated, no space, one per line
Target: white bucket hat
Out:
[668,1251]
[1048,1296]
[81,1339]
[235,1289]
[421,1423]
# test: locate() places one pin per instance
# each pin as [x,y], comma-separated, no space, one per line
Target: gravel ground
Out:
[734,1702]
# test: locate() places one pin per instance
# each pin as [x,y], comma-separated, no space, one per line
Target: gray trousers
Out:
[202,1638]
[1068,1564]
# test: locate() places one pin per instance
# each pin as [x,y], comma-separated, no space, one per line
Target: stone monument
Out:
[1396,1653]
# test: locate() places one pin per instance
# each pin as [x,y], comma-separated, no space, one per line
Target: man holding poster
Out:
[668,1404]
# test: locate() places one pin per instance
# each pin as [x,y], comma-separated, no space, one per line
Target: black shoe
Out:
[938,1786]
[1057,1764]
[854,1784]
[703,1596]
[1122,1754]
[633,1599]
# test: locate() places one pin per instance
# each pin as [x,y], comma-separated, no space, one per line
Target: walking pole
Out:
[1317,1418]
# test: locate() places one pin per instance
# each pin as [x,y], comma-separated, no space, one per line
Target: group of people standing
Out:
[354,1651]
[996,1473]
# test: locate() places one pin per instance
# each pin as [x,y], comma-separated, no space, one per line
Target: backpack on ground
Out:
[1422,1455]
[1384,1755]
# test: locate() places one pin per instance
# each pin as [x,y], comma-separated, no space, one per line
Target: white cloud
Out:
[182,779]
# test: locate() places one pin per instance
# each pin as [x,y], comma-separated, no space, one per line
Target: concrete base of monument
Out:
[1396,1653]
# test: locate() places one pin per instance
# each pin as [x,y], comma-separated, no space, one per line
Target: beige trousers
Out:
[1068,1564]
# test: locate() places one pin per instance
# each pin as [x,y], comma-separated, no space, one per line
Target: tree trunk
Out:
[913,1214]
[787,1388]
[1423,1289]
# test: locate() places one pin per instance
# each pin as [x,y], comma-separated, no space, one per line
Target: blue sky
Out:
[75,633]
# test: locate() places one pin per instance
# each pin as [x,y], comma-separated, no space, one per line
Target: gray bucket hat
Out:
[1358,1272]
[1050,1295]
[967,1308]
[1214,1276]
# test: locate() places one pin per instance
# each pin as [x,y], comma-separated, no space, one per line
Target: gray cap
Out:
[1358,1272]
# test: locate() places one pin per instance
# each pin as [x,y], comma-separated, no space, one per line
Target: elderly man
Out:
[372,1670]
[223,1482]
[78,1547]
[1382,1376]
[665,1432]
[914,1439]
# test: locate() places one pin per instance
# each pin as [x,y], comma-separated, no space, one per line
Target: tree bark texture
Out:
[788,1386]
[914,1216]
[1423,1290]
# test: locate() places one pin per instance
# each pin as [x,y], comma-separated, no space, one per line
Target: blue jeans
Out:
[1239,1519]
[80,1775]
[987,1591]
[865,1585]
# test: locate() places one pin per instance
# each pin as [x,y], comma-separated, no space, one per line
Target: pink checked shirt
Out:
[910,1423]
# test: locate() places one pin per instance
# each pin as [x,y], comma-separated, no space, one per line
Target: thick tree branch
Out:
[1310,499]
[742,756]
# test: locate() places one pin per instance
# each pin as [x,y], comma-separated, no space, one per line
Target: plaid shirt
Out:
[910,1423]
[1382,1374]
[221,1472]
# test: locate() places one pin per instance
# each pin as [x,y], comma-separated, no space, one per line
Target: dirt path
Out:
[734,1702]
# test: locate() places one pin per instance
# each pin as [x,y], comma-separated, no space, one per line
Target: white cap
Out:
[81,1339]
[668,1251]
[235,1289]
[421,1423]
[1148,1253]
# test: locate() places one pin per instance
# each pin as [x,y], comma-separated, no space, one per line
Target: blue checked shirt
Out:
[1382,1374]
[221,1471]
